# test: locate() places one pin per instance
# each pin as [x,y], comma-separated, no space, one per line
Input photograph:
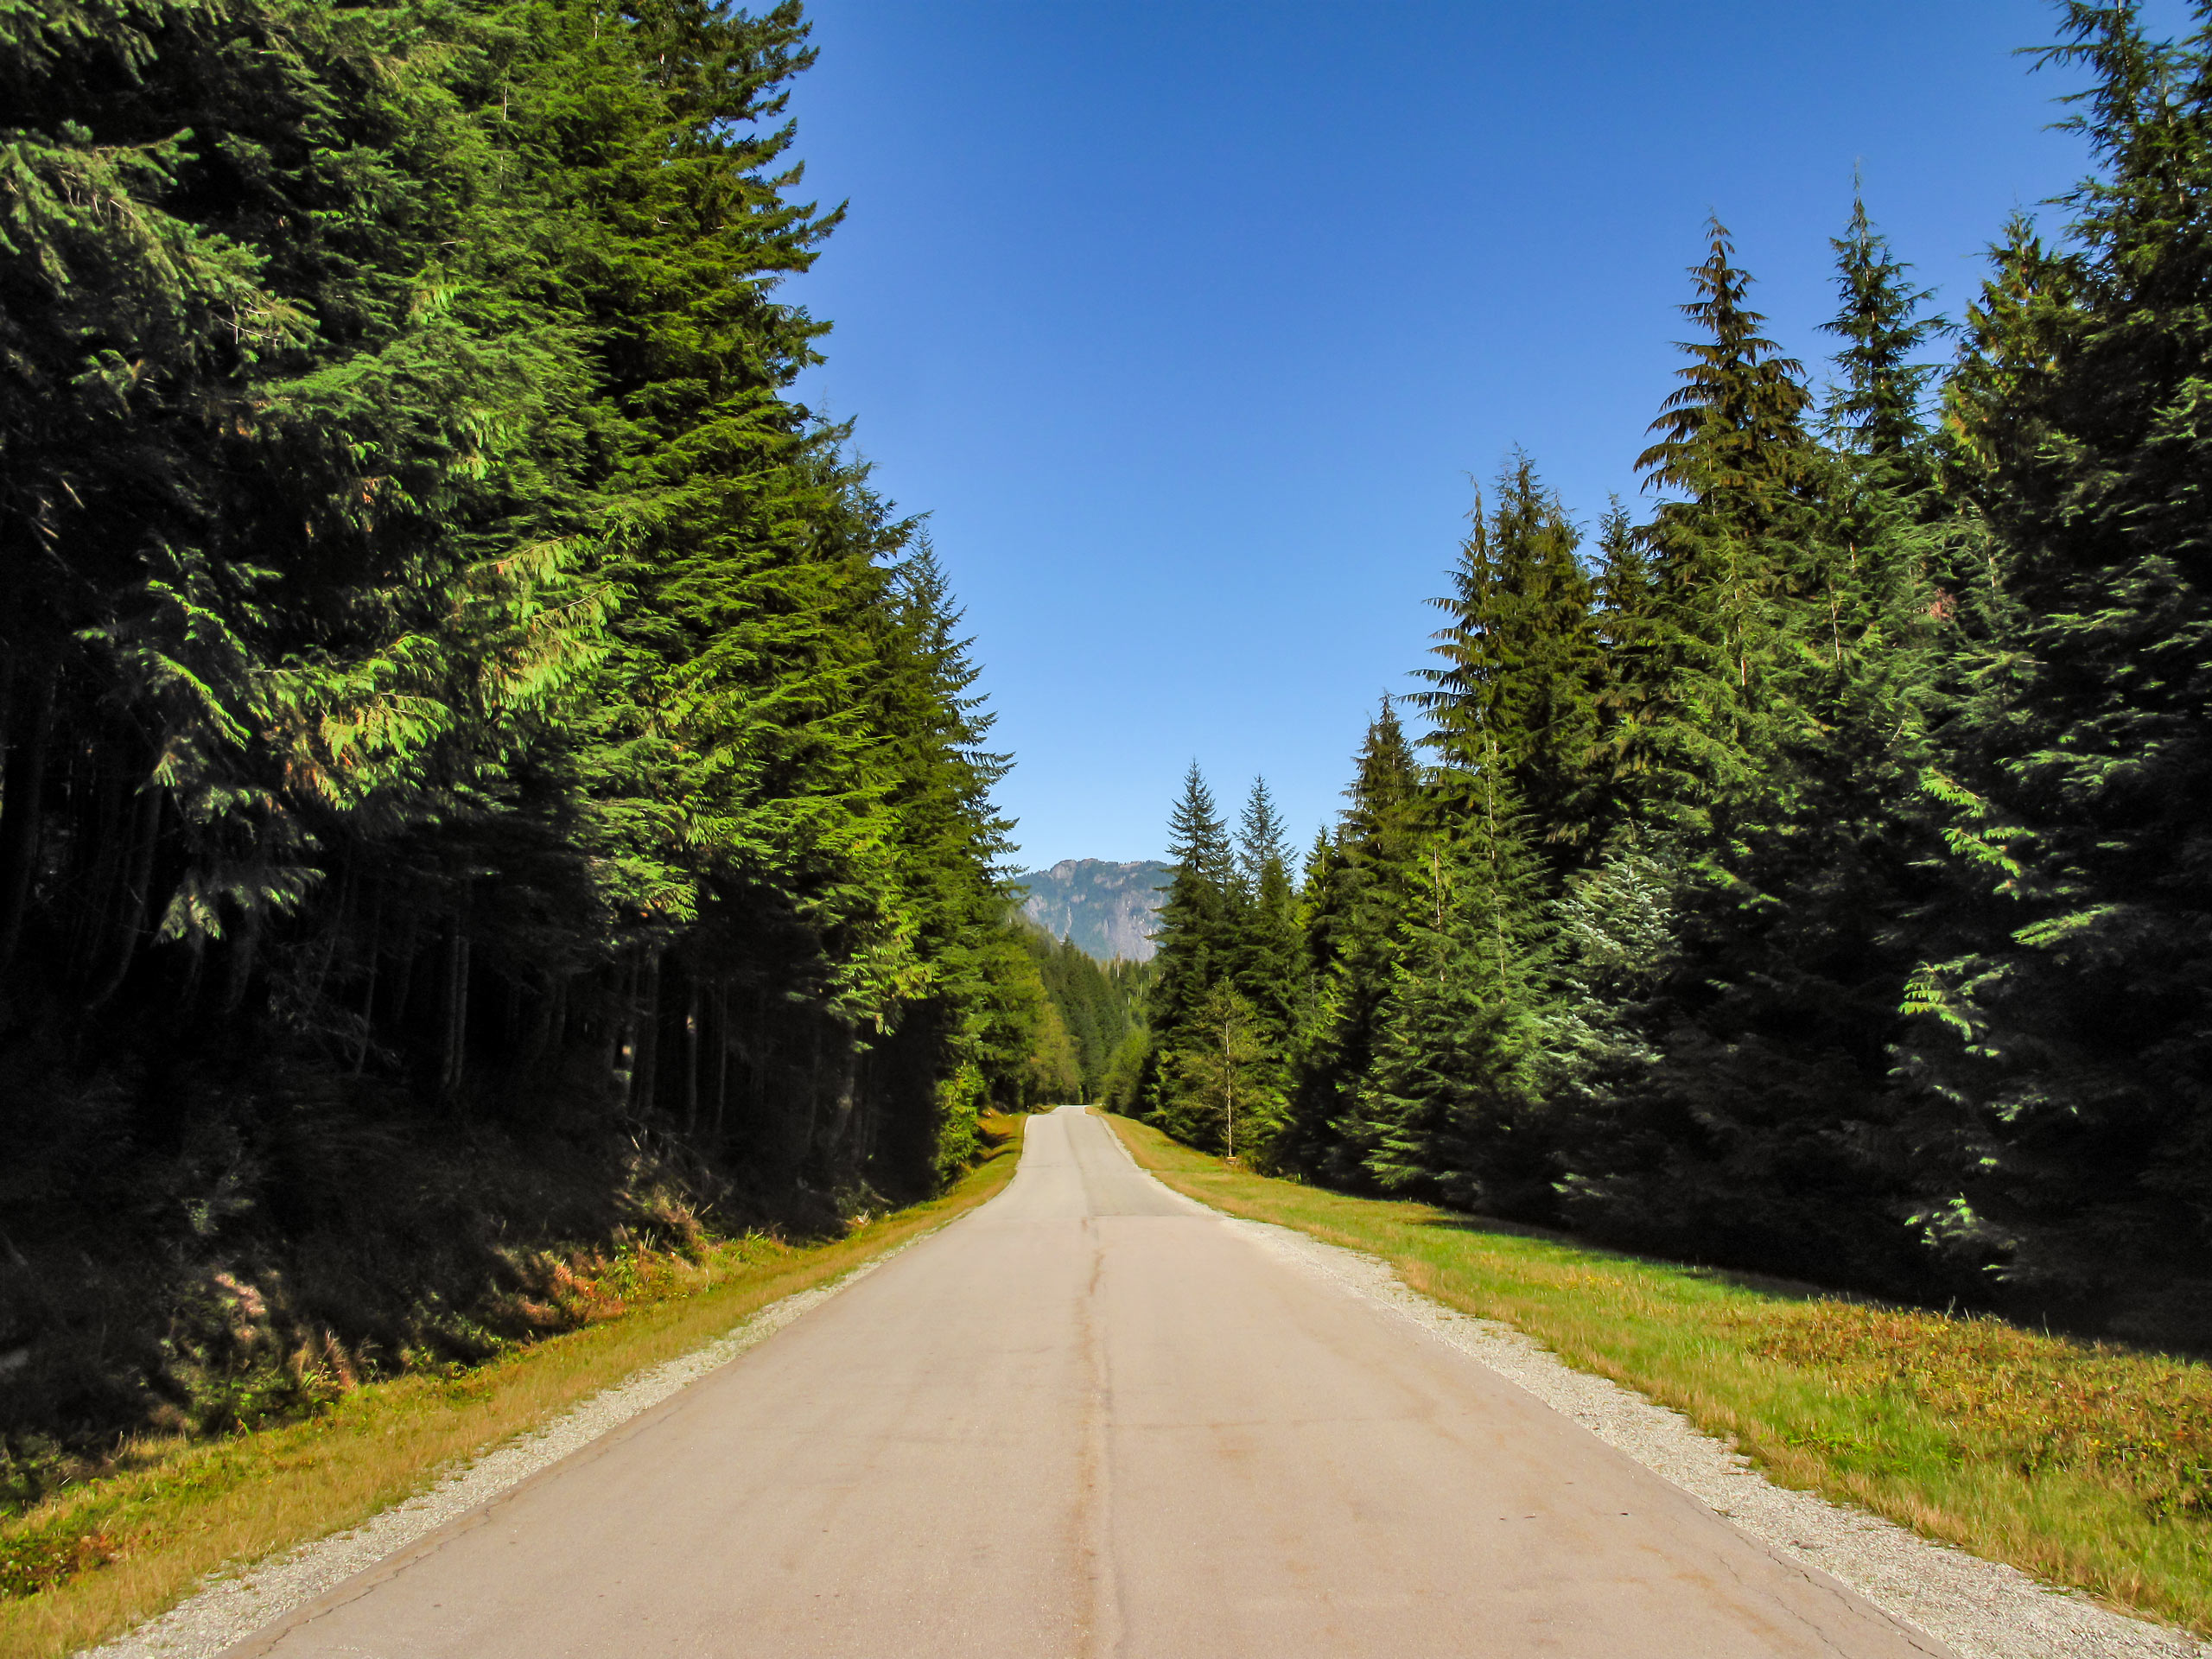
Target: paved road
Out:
[1093,1418]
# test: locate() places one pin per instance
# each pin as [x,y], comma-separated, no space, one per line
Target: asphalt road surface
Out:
[1093,1418]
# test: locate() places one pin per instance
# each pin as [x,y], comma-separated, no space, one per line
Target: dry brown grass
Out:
[114,1552]
[2088,1465]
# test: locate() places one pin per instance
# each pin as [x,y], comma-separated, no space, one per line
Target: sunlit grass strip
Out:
[158,1530]
[2085,1464]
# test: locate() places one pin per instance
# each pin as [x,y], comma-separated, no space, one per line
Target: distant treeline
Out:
[1092,1028]
[1816,875]
[451,694]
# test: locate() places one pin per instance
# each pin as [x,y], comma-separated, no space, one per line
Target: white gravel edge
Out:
[233,1605]
[1979,1609]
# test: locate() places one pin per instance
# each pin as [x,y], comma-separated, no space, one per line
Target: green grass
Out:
[2084,1464]
[101,1556]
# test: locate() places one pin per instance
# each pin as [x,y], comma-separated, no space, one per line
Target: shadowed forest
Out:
[489,793]
[1807,872]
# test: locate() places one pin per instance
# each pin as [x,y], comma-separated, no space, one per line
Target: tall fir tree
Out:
[1738,1102]
[1268,968]
[1221,1081]
[1732,449]
[1197,931]
[1450,1107]
[1356,903]
[1876,405]
[1519,669]
[1632,707]
[2066,1032]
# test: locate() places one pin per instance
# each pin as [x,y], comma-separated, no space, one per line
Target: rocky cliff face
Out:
[1105,908]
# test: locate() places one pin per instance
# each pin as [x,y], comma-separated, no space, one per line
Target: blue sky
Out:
[1189,325]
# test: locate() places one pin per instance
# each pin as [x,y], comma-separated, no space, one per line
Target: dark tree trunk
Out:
[456,1010]
[691,1060]
[621,1061]
[721,1061]
[369,989]
[22,805]
[138,880]
[642,1072]
[99,858]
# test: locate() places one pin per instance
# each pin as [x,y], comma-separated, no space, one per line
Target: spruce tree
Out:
[1730,1095]
[1733,447]
[1222,1079]
[2068,1035]
[1631,706]
[1876,405]
[1356,907]
[1267,968]
[1450,1109]
[1197,944]
[1519,669]
[1732,437]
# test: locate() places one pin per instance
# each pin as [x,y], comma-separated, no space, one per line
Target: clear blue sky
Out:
[1188,324]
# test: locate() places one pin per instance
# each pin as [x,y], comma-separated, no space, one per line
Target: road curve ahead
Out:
[1093,1418]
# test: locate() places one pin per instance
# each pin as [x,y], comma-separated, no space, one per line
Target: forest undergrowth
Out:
[2087,1464]
[122,1542]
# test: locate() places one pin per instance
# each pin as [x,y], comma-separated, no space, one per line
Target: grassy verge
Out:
[2084,1464]
[111,1553]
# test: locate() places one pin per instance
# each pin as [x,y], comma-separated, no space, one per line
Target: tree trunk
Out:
[721,1061]
[691,1060]
[544,1028]
[244,948]
[456,1021]
[621,1065]
[22,804]
[642,1078]
[138,879]
[369,990]
[101,858]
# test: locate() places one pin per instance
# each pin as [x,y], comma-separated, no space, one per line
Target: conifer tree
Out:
[1196,937]
[1356,904]
[1732,443]
[1877,404]
[1730,438]
[1222,1079]
[1450,1109]
[1267,959]
[1631,706]
[2078,1006]
[1750,1056]
[1519,670]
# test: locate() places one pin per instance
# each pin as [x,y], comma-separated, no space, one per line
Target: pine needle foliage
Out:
[447,676]
[2065,1035]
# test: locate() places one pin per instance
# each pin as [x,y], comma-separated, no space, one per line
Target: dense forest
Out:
[483,770]
[1092,1020]
[1808,873]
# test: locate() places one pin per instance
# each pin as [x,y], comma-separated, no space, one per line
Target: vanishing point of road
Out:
[1093,1418]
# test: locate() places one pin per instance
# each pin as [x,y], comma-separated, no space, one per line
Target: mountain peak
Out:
[1106,908]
